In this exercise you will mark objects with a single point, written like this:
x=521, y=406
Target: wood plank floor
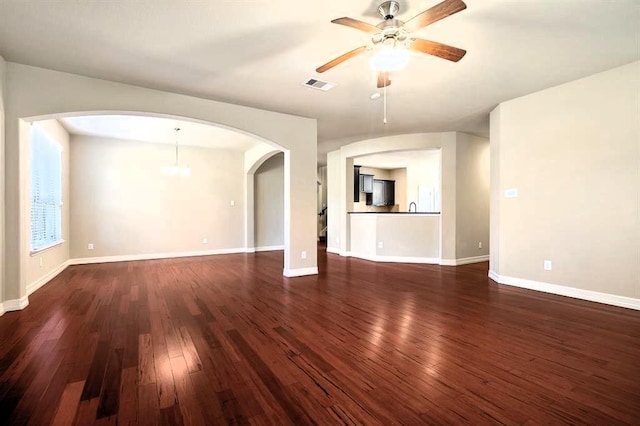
x=228, y=340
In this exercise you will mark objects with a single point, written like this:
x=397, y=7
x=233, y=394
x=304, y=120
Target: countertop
x=411, y=213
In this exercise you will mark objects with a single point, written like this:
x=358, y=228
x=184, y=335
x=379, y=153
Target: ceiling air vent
x=317, y=84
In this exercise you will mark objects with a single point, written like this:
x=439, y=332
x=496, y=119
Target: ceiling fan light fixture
x=390, y=58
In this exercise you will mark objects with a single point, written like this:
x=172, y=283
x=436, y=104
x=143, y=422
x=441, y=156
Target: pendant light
x=176, y=169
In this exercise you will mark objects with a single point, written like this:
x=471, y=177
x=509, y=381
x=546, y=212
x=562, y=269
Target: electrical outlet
x=547, y=265
x=511, y=193
x=233, y=202
x=41, y=263
x=303, y=255
x=90, y=246
x=479, y=244
x=205, y=240
x=380, y=244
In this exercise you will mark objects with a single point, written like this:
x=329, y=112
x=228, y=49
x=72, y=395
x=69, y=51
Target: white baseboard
x=464, y=260
x=300, y=272
x=577, y=293
x=45, y=279
x=150, y=256
x=395, y=259
x=14, y=305
x=333, y=250
x=414, y=259
x=269, y=248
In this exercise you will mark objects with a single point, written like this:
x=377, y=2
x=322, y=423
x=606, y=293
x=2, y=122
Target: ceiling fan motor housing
x=389, y=9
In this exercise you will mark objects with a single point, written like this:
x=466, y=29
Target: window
x=46, y=191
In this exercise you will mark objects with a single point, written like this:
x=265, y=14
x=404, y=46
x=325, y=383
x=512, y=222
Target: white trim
x=250, y=250
x=416, y=259
x=464, y=260
x=395, y=259
x=150, y=256
x=46, y=278
x=333, y=250
x=269, y=248
x=46, y=247
x=299, y=272
x=577, y=293
x=14, y=305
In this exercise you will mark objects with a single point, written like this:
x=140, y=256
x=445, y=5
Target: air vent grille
x=317, y=84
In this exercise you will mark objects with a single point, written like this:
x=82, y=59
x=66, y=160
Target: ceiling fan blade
x=436, y=13
x=340, y=59
x=383, y=79
x=358, y=25
x=440, y=50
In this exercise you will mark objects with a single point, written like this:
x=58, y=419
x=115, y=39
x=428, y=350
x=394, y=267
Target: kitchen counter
x=411, y=213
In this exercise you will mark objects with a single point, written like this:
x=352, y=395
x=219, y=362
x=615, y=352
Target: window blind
x=46, y=190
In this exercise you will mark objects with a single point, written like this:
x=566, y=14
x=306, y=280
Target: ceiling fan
x=394, y=38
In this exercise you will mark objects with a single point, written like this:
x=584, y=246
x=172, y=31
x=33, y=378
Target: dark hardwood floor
x=227, y=339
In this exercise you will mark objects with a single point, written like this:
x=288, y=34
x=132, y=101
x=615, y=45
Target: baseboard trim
x=464, y=260
x=269, y=248
x=333, y=250
x=396, y=259
x=14, y=305
x=152, y=256
x=299, y=272
x=415, y=259
x=46, y=278
x=576, y=293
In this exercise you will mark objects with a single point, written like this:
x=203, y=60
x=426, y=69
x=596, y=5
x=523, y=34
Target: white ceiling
x=258, y=52
x=159, y=130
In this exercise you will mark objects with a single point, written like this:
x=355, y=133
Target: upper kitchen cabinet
x=384, y=192
x=366, y=183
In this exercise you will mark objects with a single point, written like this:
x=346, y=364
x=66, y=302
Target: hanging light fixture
x=176, y=169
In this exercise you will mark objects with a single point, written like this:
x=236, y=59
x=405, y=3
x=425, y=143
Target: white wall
x=46, y=262
x=269, y=203
x=423, y=170
x=573, y=153
x=36, y=93
x=119, y=190
x=3, y=269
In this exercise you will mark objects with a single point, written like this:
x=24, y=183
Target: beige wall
x=3, y=270
x=269, y=203
x=472, y=196
x=400, y=176
x=118, y=190
x=44, y=262
x=334, y=201
x=573, y=153
x=390, y=237
x=36, y=93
